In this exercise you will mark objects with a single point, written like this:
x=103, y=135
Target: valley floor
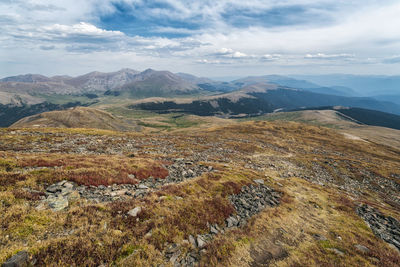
x=253, y=193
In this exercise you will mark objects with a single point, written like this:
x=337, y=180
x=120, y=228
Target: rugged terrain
x=252, y=193
x=166, y=92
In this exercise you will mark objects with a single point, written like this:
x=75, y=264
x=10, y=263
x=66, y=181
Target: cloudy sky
x=203, y=37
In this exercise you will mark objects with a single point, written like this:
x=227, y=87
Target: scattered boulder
x=213, y=230
x=53, y=189
x=58, y=203
x=201, y=243
x=319, y=237
x=362, y=248
x=172, y=253
x=259, y=181
x=142, y=186
x=134, y=212
x=336, y=251
x=192, y=241
x=232, y=221
x=18, y=260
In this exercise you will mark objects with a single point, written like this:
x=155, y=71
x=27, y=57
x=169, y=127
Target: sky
x=203, y=37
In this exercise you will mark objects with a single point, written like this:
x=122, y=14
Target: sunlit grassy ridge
x=322, y=174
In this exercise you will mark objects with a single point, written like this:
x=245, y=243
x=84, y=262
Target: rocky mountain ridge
x=123, y=79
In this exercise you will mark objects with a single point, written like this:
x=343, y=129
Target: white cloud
x=359, y=32
x=392, y=60
x=230, y=53
x=329, y=57
x=269, y=57
x=207, y=61
x=81, y=28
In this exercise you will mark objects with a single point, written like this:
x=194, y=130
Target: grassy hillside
x=152, y=193
x=79, y=117
x=364, y=116
x=12, y=113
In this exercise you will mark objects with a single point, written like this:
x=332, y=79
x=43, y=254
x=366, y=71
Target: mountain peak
x=27, y=78
x=149, y=70
x=127, y=70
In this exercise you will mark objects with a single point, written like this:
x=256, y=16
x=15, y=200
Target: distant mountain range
x=257, y=99
x=30, y=94
x=365, y=85
x=148, y=82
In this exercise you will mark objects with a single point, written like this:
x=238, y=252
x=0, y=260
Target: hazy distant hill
x=367, y=85
x=27, y=78
x=390, y=98
x=264, y=98
x=295, y=83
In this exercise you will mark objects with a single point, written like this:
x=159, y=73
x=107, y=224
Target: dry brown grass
x=88, y=235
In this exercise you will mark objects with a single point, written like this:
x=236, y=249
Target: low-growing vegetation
x=321, y=176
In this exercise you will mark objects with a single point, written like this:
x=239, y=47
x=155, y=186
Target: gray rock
x=384, y=227
x=361, y=248
x=142, y=186
x=134, y=212
x=319, y=237
x=175, y=256
x=18, y=260
x=231, y=222
x=201, y=243
x=53, y=188
x=192, y=241
x=213, y=230
x=259, y=181
x=172, y=249
x=336, y=251
x=58, y=203
x=62, y=183
x=68, y=185
x=139, y=194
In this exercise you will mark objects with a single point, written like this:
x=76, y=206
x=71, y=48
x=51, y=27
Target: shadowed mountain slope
x=263, y=98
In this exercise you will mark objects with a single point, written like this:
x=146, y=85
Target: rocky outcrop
x=384, y=227
x=21, y=259
x=248, y=202
x=57, y=196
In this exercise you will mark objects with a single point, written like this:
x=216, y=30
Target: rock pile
x=251, y=200
x=173, y=255
x=58, y=195
x=384, y=227
x=182, y=170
